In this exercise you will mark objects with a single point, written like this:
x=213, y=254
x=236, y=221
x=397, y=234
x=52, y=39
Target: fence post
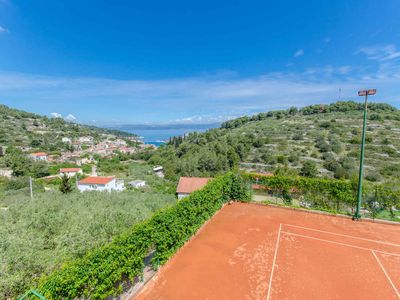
x=30, y=187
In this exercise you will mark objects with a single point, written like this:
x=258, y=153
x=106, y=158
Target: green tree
x=65, y=185
x=39, y=169
x=309, y=169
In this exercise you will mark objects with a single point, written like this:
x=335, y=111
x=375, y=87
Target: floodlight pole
x=365, y=93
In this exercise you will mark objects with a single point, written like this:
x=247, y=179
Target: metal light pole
x=364, y=93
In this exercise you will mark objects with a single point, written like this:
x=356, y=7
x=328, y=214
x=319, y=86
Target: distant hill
x=317, y=140
x=20, y=128
x=133, y=127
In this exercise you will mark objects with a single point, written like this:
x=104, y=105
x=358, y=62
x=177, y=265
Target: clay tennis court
x=249, y=251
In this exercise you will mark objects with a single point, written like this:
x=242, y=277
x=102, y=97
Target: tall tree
x=65, y=185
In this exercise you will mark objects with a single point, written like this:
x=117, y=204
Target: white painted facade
x=39, y=157
x=71, y=173
x=113, y=185
x=138, y=183
x=66, y=140
x=6, y=173
x=182, y=195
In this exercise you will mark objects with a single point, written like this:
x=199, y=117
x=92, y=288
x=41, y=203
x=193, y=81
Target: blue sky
x=107, y=62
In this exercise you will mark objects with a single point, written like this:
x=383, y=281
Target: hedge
x=330, y=194
x=108, y=270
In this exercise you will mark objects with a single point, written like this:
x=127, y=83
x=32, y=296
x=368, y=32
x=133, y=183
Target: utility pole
x=30, y=186
x=364, y=93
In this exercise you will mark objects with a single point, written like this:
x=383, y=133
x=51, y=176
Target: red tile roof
x=39, y=154
x=65, y=170
x=188, y=185
x=96, y=180
x=259, y=187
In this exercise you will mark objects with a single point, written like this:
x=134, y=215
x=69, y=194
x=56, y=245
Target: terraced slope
x=318, y=140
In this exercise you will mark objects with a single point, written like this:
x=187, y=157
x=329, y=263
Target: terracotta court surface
x=249, y=251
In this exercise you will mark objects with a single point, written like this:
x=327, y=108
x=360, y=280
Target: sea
x=158, y=136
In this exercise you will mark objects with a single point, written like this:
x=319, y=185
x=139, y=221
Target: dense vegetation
x=317, y=140
x=22, y=165
x=337, y=196
x=20, y=128
x=38, y=235
x=106, y=270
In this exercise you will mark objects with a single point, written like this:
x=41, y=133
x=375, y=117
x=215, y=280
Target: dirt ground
x=250, y=251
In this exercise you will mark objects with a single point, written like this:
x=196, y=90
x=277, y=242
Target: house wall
x=140, y=184
x=39, y=158
x=111, y=186
x=6, y=173
x=71, y=174
x=182, y=195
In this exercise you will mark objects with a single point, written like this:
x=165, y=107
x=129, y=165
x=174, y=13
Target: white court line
x=273, y=263
x=344, y=235
x=338, y=243
x=387, y=276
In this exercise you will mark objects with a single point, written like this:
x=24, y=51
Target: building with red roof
x=39, y=156
x=100, y=183
x=70, y=172
x=188, y=185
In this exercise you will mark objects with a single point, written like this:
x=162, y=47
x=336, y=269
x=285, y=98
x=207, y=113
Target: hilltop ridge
x=25, y=129
x=317, y=140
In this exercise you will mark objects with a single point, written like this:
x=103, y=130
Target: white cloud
x=204, y=119
x=380, y=53
x=298, y=53
x=3, y=30
x=70, y=118
x=56, y=115
x=195, y=99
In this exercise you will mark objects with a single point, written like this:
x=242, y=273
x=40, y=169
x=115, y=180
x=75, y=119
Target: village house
x=159, y=171
x=127, y=150
x=137, y=183
x=6, y=173
x=77, y=146
x=84, y=161
x=119, y=142
x=66, y=140
x=70, y=172
x=188, y=185
x=39, y=156
x=85, y=139
x=100, y=183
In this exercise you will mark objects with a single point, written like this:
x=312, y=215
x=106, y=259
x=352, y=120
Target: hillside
x=317, y=140
x=20, y=128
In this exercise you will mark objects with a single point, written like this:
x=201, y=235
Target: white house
x=38, y=156
x=6, y=173
x=137, y=183
x=66, y=140
x=85, y=139
x=70, y=172
x=99, y=183
x=119, y=142
x=159, y=171
x=188, y=185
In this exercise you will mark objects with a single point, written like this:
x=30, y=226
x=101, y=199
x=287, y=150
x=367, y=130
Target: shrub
x=103, y=272
x=309, y=169
x=373, y=176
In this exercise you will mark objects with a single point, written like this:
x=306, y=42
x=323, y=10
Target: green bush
x=39, y=235
x=309, y=169
x=330, y=194
x=321, y=193
x=103, y=272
